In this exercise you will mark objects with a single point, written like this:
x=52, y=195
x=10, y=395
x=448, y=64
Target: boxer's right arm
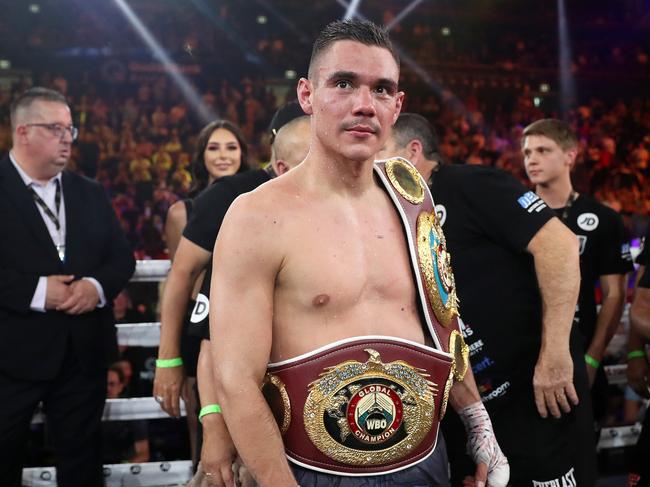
x=247, y=259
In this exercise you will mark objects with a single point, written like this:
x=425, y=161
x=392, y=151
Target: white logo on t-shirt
x=583, y=243
x=588, y=221
x=201, y=309
x=441, y=211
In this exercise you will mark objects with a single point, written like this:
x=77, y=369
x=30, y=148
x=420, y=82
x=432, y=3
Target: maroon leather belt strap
x=361, y=406
x=430, y=259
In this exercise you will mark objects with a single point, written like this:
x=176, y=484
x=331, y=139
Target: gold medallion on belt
x=369, y=413
x=435, y=263
x=405, y=179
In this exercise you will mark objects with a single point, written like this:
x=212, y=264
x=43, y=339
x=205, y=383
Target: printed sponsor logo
x=498, y=392
x=531, y=202
x=441, y=212
x=149, y=371
x=475, y=347
x=566, y=480
x=135, y=469
x=165, y=466
x=588, y=221
x=466, y=330
x=625, y=252
x=583, y=242
x=201, y=309
x=527, y=199
x=537, y=207
x=484, y=364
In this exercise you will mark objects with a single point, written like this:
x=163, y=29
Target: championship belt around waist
x=363, y=406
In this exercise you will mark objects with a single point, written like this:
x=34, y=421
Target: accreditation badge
x=370, y=413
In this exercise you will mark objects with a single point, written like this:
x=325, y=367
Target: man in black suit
x=63, y=258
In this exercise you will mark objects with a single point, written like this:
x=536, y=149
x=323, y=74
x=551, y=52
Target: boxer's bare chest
x=341, y=258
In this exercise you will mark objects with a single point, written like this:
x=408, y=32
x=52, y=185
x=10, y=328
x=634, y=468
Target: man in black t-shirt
x=638, y=375
x=550, y=149
x=516, y=269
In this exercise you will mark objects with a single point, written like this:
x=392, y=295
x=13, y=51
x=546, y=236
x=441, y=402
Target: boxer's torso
x=344, y=268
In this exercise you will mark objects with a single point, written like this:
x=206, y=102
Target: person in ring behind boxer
x=312, y=273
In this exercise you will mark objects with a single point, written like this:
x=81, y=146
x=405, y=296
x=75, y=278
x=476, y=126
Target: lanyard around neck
x=46, y=209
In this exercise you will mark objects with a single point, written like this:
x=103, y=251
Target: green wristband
x=592, y=361
x=209, y=409
x=166, y=363
x=636, y=354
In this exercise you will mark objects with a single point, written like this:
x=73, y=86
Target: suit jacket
x=33, y=344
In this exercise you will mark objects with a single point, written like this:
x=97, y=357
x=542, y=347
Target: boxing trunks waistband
x=362, y=406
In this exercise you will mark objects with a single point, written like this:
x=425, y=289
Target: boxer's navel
x=321, y=300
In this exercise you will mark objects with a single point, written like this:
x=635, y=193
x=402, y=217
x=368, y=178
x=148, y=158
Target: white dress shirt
x=47, y=193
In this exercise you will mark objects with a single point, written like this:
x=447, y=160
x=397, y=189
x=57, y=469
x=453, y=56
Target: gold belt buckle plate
x=370, y=413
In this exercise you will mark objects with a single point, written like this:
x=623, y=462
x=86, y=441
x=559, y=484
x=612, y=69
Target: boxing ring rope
x=152, y=474
x=179, y=472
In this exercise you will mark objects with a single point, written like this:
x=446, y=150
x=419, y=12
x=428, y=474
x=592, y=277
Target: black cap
x=283, y=116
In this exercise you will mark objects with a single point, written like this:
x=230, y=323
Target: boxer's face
x=353, y=99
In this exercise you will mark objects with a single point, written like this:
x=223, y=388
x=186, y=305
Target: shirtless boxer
x=318, y=257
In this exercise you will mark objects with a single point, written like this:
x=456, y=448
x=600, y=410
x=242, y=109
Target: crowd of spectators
x=137, y=128
x=139, y=147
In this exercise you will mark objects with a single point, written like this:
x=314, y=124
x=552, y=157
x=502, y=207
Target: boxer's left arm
x=482, y=445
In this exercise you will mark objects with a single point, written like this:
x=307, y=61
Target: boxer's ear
x=305, y=91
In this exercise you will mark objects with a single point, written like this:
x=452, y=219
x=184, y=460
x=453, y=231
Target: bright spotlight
x=290, y=74
x=191, y=94
x=261, y=19
x=537, y=101
x=5, y=64
x=445, y=31
x=34, y=8
x=352, y=10
x=544, y=88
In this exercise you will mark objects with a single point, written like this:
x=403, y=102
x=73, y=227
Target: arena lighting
x=398, y=18
x=351, y=12
x=544, y=87
x=34, y=8
x=302, y=36
x=208, y=11
x=261, y=19
x=537, y=101
x=194, y=99
x=567, y=83
x=5, y=64
x=445, y=31
x=290, y=74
